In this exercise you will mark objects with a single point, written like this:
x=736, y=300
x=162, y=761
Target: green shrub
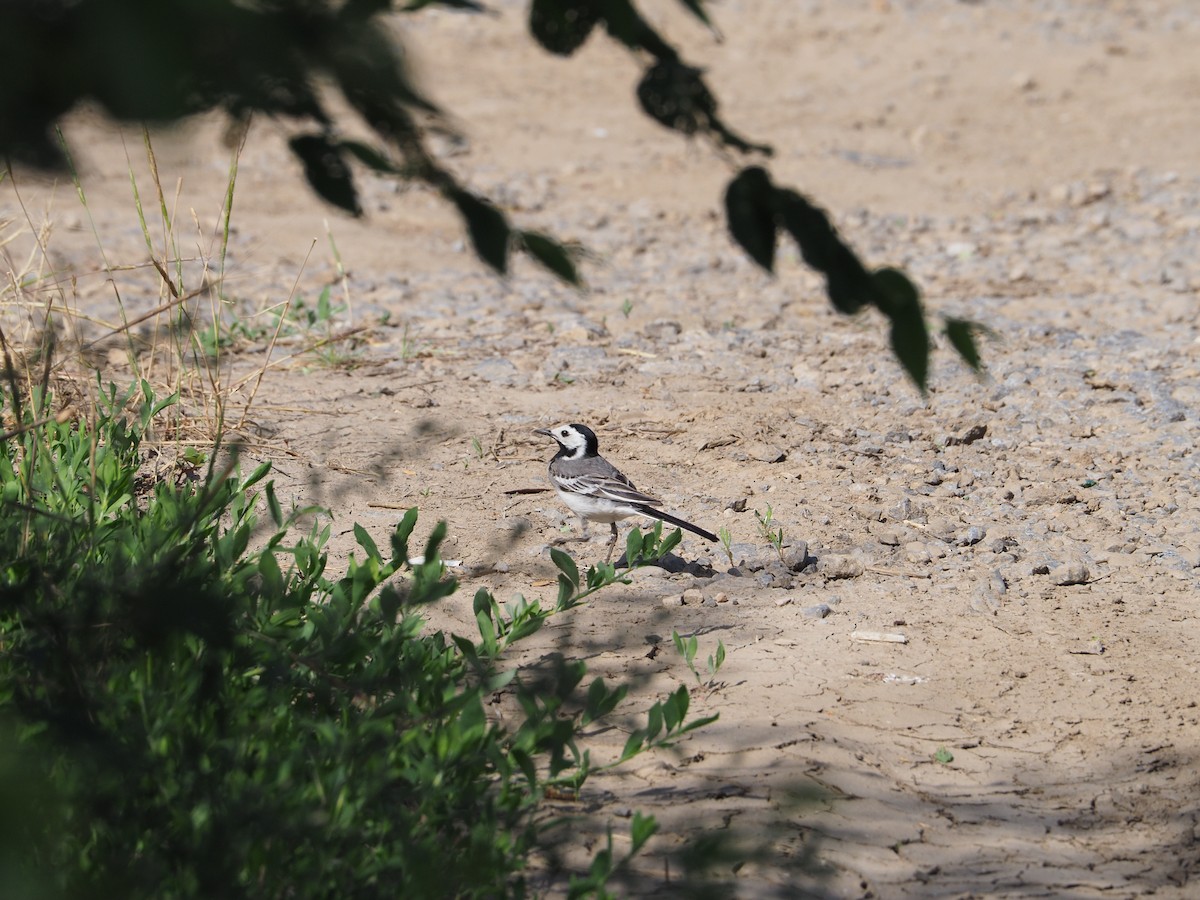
x=219, y=718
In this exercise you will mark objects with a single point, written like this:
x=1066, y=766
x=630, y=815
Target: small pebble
x=691, y=597
x=783, y=601
x=672, y=600
x=820, y=611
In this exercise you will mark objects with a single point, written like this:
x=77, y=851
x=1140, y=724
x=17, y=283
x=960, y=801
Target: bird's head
x=574, y=441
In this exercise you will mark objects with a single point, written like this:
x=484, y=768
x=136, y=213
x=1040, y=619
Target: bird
x=595, y=490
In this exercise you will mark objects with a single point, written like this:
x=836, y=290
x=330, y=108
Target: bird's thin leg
x=612, y=543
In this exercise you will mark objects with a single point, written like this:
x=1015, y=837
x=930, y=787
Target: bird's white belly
x=596, y=509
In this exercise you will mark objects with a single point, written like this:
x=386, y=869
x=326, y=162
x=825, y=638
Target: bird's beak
x=544, y=431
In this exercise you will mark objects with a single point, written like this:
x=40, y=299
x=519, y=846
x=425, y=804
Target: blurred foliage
x=163, y=61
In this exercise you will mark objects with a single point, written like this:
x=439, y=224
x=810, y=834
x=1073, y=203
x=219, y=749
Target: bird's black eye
x=564, y=432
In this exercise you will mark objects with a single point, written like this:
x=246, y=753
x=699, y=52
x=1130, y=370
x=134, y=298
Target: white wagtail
x=595, y=490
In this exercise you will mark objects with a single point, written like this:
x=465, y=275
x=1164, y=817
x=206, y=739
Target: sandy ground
x=1034, y=535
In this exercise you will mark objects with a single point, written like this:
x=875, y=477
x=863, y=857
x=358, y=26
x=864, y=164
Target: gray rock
x=943, y=529
x=903, y=510
x=916, y=552
x=820, y=611
x=1069, y=573
x=796, y=556
x=971, y=536
x=889, y=537
x=834, y=566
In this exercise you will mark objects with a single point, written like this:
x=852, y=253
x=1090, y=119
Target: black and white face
x=575, y=440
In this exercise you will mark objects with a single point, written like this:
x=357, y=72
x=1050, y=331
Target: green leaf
x=402, y=533
x=679, y=702
x=720, y=659
x=672, y=716
x=255, y=477
x=566, y=565
x=484, y=604
x=961, y=334
x=633, y=547
x=487, y=631
x=898, y=299
x=634, y=745
x=641, y=829
x=273, y=504
x=943, y=756
x=749, y=209
x=272, y=578
x=654, y=721
x=551, y=255
x=327, y=171
x=562, y=26
x=487, y=227
x=365, y=541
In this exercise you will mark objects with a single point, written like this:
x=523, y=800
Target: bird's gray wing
x=606, y=482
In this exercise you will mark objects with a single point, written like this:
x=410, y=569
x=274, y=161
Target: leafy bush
x=219, y=718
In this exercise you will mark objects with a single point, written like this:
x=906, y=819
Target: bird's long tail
x=667, y=517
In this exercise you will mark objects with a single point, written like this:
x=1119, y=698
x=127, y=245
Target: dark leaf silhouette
x=898, y=299
x=750, y=211
x=370, y=157
x=847, y=281
x=961, y=334
x=552, y=255
x=696, y=8
x=327, y=171
x=562, y=26
x=626, y=25
x=467, y=5
x=674, y=95
x=487, y=226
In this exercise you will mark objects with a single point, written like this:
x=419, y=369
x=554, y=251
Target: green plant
x=727, y=544
x=771, y=534
x=687, y=648
x=626, y=307
x=220, y=716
